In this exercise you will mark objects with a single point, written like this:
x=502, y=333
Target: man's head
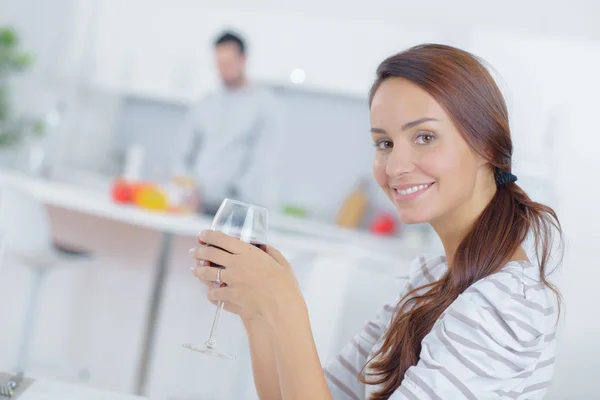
x=230, y=55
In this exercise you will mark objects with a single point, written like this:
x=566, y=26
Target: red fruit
x=122, y=192
x=384, y=224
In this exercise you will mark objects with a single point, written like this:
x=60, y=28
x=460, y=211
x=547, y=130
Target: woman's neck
x=453, y=227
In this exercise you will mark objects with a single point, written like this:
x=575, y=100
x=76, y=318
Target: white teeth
x=412, y=189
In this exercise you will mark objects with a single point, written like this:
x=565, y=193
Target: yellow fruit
x=152, y=198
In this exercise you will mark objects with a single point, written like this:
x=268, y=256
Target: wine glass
x=248, y=223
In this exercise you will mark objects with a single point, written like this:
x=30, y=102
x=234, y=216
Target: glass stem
x=211, y=343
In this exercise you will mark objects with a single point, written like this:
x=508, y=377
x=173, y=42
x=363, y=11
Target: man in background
x=232, y=134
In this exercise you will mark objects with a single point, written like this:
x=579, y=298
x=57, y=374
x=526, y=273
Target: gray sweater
x=231, y=141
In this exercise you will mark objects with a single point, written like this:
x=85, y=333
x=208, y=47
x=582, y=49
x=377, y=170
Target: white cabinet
x=151, y=48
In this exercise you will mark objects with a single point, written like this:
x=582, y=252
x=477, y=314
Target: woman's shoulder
x=519, y=282
x=515, y=297
x=496, y=339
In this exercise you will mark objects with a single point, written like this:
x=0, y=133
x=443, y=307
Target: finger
x=206, y=282
x=199, y=263
x=228, y=307
x=209, y=283
x=202, y=263
x=207, y=273
x=276, y=254
x=224, y=241
x=211, y=274
x=214, y=255
x=222, y=294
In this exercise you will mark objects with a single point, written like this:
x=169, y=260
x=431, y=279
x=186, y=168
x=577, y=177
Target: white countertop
x=54, y=390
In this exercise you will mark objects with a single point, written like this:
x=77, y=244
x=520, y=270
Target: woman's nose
x=400, y=162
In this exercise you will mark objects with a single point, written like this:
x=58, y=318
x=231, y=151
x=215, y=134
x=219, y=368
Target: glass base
x=211, y=351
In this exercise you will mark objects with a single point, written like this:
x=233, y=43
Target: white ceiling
x=564, y=18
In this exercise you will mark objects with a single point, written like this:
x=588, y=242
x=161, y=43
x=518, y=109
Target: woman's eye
x=384, y=145
x=425, y=138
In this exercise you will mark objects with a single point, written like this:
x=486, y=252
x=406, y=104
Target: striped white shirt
x=495, y=341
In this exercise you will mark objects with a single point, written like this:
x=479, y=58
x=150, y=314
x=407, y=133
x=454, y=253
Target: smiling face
x=422, y=162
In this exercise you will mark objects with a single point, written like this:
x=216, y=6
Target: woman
x=476, y=323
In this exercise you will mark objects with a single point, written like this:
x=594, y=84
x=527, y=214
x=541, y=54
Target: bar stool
x=25, y=237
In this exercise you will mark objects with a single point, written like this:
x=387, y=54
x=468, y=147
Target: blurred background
x=106, y=114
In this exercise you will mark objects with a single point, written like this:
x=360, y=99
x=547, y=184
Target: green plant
x=13, y=60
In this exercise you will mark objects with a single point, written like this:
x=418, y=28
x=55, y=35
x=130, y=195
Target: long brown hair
x=465, y=89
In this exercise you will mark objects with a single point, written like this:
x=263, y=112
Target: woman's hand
x=258, y=282
x=232, y=308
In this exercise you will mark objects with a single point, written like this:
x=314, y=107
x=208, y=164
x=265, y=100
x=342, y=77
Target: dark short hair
x=230, y=37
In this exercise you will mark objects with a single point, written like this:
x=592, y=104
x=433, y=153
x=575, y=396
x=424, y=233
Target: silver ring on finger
x=219, y=282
